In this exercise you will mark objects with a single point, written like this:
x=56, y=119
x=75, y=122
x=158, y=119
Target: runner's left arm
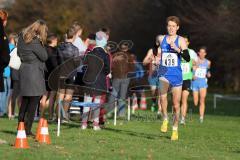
x=184, y=49
x=208, y=70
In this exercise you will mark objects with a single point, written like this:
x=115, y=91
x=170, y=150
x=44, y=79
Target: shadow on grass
x=136, y=134
x=71, y=125
x=236, y=151
x=9, y=132
x=65, y=126
x=118, y=131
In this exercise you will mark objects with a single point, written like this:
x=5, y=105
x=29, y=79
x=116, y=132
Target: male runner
x=173, y=48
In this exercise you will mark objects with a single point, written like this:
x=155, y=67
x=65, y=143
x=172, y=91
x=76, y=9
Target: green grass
x=216, y=139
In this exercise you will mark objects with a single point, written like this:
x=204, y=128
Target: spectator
x=98, y=67
x=122, y=64
x=33, y=54
x=78, y=42
x=13, y=39
x=81, y=48
x=4, y=54
x=67, y=51
x=90, y=42
x=52, y=62
x=108, y=77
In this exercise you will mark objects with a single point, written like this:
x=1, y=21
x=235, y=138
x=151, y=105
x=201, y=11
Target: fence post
x=115, y=113
x=129, y=108
x=214, y=102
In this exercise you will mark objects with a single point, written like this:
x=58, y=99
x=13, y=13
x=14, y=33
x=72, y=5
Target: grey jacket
x=32, y=55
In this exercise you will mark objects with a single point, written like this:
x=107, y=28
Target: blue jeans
x=4, y=96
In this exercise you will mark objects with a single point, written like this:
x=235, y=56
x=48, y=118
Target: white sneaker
x=11, y=117
x=64, y=121
x=36, y=118
x=83, y=127
x=183, y=122
x=96, y=128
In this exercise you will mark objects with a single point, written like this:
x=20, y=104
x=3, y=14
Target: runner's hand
x=173, y=46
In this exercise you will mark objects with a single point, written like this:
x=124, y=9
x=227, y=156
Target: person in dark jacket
x=4, y=69
x=66, y=52
x=33, y=55
x=98, y=67
x=52, y=62
x=4, y=51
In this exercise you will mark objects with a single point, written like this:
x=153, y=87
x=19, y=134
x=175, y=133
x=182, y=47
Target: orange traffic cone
x=44, y=135
x=40, y=123
x=21, y=140
x=135, y=103
x=143, y=102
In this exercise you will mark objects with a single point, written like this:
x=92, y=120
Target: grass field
x=216, y=139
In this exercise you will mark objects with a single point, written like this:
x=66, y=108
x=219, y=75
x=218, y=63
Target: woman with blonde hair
x=33, y=55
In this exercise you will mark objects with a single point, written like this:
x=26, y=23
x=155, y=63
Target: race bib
x=185, y=68
x=170, y=59
x=201, y=73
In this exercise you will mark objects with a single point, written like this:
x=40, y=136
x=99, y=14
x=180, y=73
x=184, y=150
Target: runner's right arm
x=159, y=39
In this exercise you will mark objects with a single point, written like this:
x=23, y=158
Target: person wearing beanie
x=98, y=67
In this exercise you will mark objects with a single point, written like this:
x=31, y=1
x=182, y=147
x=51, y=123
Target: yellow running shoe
x=164, y=126
x=174, y=135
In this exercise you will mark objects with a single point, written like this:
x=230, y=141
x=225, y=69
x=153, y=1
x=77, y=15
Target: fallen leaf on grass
x=59, y=147
x=3, y=141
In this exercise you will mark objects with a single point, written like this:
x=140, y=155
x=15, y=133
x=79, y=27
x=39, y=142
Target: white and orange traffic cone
x=134, y=103
x=40, y=123
x=21, y=140
x=44, y=134
x=143, y=102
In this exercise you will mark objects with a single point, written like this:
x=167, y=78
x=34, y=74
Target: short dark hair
x=174, y=19
x=105, y=30
x=92, y=36
x=203, y=47
x=51, y=37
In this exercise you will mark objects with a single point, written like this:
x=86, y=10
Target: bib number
x=201, y=73
x=185, y=68
x=170, y=59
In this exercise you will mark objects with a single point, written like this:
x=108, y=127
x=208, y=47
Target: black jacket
x=98, y=67
x=53, y=60
x=4, y=54
x=67, y=51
